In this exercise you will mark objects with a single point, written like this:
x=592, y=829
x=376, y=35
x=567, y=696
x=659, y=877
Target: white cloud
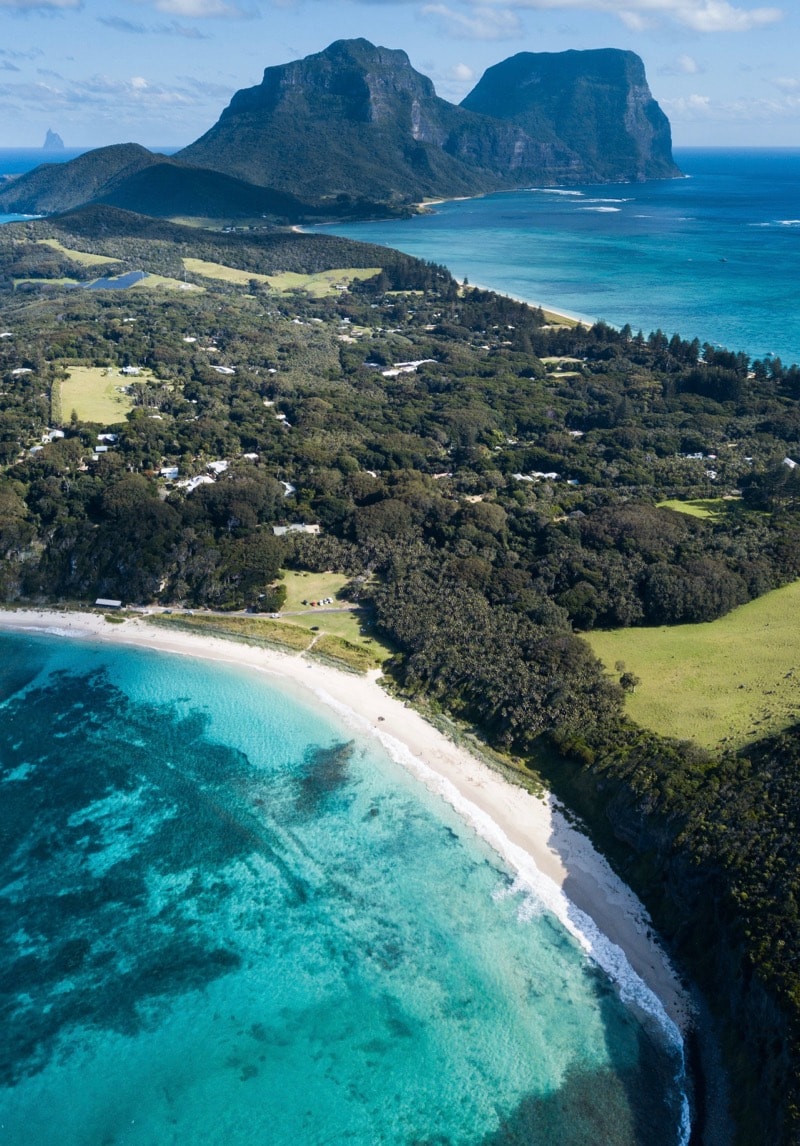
x=696, y=108
x=479, y=23
x=698, y=15
x=202, y=9
x=461, y=72
x=634, y=20
x=683, y=66
x=186, y=31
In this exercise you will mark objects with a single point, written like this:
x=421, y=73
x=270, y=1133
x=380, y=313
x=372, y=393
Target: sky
x=159, y=72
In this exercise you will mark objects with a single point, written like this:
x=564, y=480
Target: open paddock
x=727, y=682
x=318, y=285
x=96, y=394
x=697, y=507
x=84, y=258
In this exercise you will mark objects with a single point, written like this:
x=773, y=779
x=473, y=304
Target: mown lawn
x=311, y=587
x=699, y=507
x=351, y=625
x=728, y=681
x=94, y=393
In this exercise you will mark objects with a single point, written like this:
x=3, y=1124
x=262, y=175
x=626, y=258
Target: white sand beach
x=553, y=859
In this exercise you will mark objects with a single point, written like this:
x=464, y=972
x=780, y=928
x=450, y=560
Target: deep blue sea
x=715, y=255
x=226, y=919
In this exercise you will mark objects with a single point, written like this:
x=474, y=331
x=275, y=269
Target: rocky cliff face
x=361, y=120
x=354, y=120
x=596, y=104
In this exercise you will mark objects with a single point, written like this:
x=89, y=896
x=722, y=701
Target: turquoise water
x=227, y=920
x=714, y=256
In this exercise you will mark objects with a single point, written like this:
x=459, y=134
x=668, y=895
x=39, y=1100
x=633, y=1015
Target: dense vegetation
x=490, y=483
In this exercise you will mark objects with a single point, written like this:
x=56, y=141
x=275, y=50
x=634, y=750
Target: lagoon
x=229, y=917
x=715, y=255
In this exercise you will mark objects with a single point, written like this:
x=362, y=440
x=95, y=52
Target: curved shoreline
x=530, y=832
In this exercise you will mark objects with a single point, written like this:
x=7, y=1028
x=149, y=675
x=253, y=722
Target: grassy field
x=311, y=587
x=224, y=274
x=699, y=507
x=727, y=682
x=83, y=257
x=317, y=285
x=259, y=630
x=45, y=283
x=93, y=392
x=351, y=626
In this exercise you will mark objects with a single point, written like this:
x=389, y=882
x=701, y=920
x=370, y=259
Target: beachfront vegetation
x=487, y=511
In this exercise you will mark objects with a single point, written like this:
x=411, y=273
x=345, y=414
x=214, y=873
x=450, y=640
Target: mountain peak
x=597, y=102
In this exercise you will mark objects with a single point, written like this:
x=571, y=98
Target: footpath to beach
x=555, y=860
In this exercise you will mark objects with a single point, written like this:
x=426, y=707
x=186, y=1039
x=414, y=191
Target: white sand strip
x=556, y=861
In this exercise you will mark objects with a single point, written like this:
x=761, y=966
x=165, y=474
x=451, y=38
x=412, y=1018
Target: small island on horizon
x=52, y=141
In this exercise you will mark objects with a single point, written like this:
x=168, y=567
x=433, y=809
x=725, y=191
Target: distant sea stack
x=52, y=141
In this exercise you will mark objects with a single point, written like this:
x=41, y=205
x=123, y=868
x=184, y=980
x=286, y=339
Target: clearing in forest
x=351, y=624
x=85, y=258
x=729, y=682
x=319, y=285
x=697, y=507
x=96, y=394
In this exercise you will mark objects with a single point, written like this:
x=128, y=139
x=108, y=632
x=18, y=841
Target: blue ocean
x=714, y=256
x=228, y=920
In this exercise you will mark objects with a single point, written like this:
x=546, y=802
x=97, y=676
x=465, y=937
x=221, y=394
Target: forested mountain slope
x=354, y=129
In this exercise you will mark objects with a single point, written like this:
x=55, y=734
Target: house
x=218, y=467
x=131, y=371
x=280, y=530
x=52, y=435
x=190, y=484
x=107, y=603
x=169, y=472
